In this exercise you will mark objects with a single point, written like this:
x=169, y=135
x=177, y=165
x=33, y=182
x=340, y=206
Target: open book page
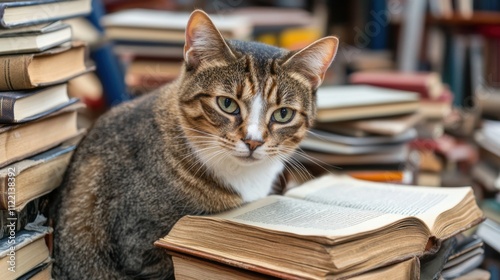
x=425, y=203
x=304, y=217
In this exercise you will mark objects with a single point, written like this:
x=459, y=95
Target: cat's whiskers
x=203, y=163
x=297, y=166
x=321, y=164
x=286, y=166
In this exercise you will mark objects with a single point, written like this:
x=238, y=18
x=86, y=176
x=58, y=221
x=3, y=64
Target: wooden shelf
x=478, y=18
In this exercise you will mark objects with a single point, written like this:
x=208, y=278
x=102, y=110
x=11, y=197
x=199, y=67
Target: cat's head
x=244, y=102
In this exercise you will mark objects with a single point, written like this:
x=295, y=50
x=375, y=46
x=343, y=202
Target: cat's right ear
x=204, y=43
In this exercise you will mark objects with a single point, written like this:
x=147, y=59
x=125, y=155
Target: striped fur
x=175, y=152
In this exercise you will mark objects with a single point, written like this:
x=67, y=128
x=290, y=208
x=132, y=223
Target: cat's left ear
x=312, y=61
x=204, y=43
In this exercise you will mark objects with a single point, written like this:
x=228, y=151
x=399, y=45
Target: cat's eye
x=283, y=115
x=228, y=105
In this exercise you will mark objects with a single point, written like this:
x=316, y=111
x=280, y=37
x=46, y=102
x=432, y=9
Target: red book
x=427, y=84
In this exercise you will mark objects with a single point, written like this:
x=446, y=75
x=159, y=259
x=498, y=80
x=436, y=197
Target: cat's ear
x=204, y=43
x=312, y=61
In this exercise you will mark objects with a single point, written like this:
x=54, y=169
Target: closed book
x=23, y=106
x=35, y=40
x=380, y=126
x=30, y=12
x=340, y=103
x=42, y=271
x=166, y=27
x=437, y=108
x=427, y=84
x=53, y=66
x=27, y=139
x=33, y=177
x=30, y=251
x=21, y=217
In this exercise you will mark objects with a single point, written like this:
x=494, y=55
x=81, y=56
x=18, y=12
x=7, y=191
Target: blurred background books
x=413, y=95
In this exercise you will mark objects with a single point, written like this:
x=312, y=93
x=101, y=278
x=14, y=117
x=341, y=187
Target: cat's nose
x=252, y=144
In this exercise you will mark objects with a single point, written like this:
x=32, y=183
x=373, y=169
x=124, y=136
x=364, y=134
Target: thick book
x=28, y=105
x=187, y=267
x=332, y=227
x=389, y=126
x=31, y=12
x=42, y=271
x=341, y=103
x=35, y=40
x=29, y=214
x=53, y=66
x=30, y=251
x=33, y=177
x=437, y=108
x=427, y=84
x=25, y=140
x=166, y=27
x=396, y=156
x=372, y=140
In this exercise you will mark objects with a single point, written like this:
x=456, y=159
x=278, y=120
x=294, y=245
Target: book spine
x=7, y=109
x=2, y=21
x=14, y=72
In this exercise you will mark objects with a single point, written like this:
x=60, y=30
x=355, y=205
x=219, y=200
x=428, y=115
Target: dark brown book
x=54, y=66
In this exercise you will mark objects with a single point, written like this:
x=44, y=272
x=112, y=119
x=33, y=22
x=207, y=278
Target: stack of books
x=150, y=43
x=363, y=131
x=438, y=152
x=486, y=174
x=38, y=124
x=333, y=227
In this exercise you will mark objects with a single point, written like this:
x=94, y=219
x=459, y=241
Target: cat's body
x=182, y=150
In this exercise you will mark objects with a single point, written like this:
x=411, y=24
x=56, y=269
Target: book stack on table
x=38, y=124
x=363, y=131
x=435, y=100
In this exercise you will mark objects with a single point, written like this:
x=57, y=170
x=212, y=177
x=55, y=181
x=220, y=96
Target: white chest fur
x=251, y=181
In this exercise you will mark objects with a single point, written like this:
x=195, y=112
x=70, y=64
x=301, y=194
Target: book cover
x=53, y=66
x=22, y=13
x=38, y=136
x=24, y=106
x=34, y=176
x=339, y=103
x=427, y=84
x=31, y=40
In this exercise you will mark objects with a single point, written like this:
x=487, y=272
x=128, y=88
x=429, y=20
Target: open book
x=331, y=227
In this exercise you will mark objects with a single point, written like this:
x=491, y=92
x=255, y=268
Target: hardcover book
x=25, y=140
x=28, y=105
x=30, y=251
x=34, y=176
x=340, y=103
x=332, y=227
x=31, y=12
x=53, y=66
x=34, y=40
x=427, y=84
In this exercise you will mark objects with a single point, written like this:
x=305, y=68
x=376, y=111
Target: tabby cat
x=212, y=140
